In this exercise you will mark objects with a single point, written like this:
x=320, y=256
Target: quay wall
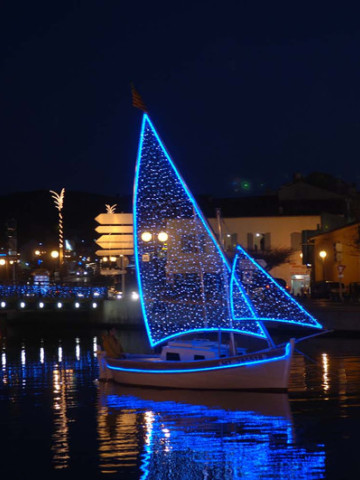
x=126, y=314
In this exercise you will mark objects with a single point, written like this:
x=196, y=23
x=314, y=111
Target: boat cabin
x=188, y=351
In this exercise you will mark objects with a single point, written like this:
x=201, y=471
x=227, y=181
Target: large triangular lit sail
x=269, y=301
x=183, y=275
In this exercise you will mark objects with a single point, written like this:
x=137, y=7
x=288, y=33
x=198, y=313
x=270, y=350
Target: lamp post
x=4, y=263
x=323, y=255
x=55, y=255
x=157, y=239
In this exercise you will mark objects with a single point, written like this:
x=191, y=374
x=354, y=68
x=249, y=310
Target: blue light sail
x=268, y=299
x=183, y=275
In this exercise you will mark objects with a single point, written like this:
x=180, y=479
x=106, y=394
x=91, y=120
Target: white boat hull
x=268, y=370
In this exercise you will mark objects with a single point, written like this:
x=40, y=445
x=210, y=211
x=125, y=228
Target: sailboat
x=204, y=317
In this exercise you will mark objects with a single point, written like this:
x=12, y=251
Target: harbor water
x=58, y=421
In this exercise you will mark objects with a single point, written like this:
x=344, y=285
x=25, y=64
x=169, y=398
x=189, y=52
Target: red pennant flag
x=137, y=101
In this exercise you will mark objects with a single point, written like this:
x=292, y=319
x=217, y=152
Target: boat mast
x=201, y=271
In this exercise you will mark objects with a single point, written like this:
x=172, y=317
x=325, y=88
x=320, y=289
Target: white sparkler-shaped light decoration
x=59, y=203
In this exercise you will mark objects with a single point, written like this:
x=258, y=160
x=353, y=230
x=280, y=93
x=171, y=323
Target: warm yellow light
x=105, y=259
x=37, y=252
x=146, y=237
x=322, y=254
x=163, y=236
x=54, y=254
x=112, y=259
x=2, y=261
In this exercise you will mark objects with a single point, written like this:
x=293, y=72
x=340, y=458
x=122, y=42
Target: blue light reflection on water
x=183, y=440
x=55, y=418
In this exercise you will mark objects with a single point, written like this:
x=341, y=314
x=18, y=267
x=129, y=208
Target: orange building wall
x=348, y=237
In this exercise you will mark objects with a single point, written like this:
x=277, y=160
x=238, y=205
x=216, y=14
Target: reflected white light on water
x=166, y=432
x=3, y=366
x=325, y=367
x=42, y=355
x=3, y=361
x=23, y=355
x=166, y=442
x=190, y=438
x=147, y=434
x=77, y=348
x=149, y=420
x=60, y=445
x=56, y=380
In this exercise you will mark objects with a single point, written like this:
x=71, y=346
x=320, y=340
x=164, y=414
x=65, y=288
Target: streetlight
x=157, y=239
x=162, y=237
x=146, y=236
x=55, y=255
x=4, y=263
x=323, y=255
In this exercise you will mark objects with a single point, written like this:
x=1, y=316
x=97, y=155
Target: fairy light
x=268, y=299
x=182, y=272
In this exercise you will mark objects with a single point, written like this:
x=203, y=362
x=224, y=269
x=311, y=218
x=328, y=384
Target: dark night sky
x=237, y=90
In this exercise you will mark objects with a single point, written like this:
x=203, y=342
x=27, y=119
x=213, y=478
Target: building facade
x=336, y=255
x=269, y=233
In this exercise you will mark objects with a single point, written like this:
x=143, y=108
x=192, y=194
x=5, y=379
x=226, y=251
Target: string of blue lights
x=183, y=275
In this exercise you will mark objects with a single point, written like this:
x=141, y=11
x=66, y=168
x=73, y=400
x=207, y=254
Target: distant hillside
x=37, y=217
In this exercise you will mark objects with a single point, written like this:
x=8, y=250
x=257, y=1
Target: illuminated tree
x=110, y=208
x=59, y=203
